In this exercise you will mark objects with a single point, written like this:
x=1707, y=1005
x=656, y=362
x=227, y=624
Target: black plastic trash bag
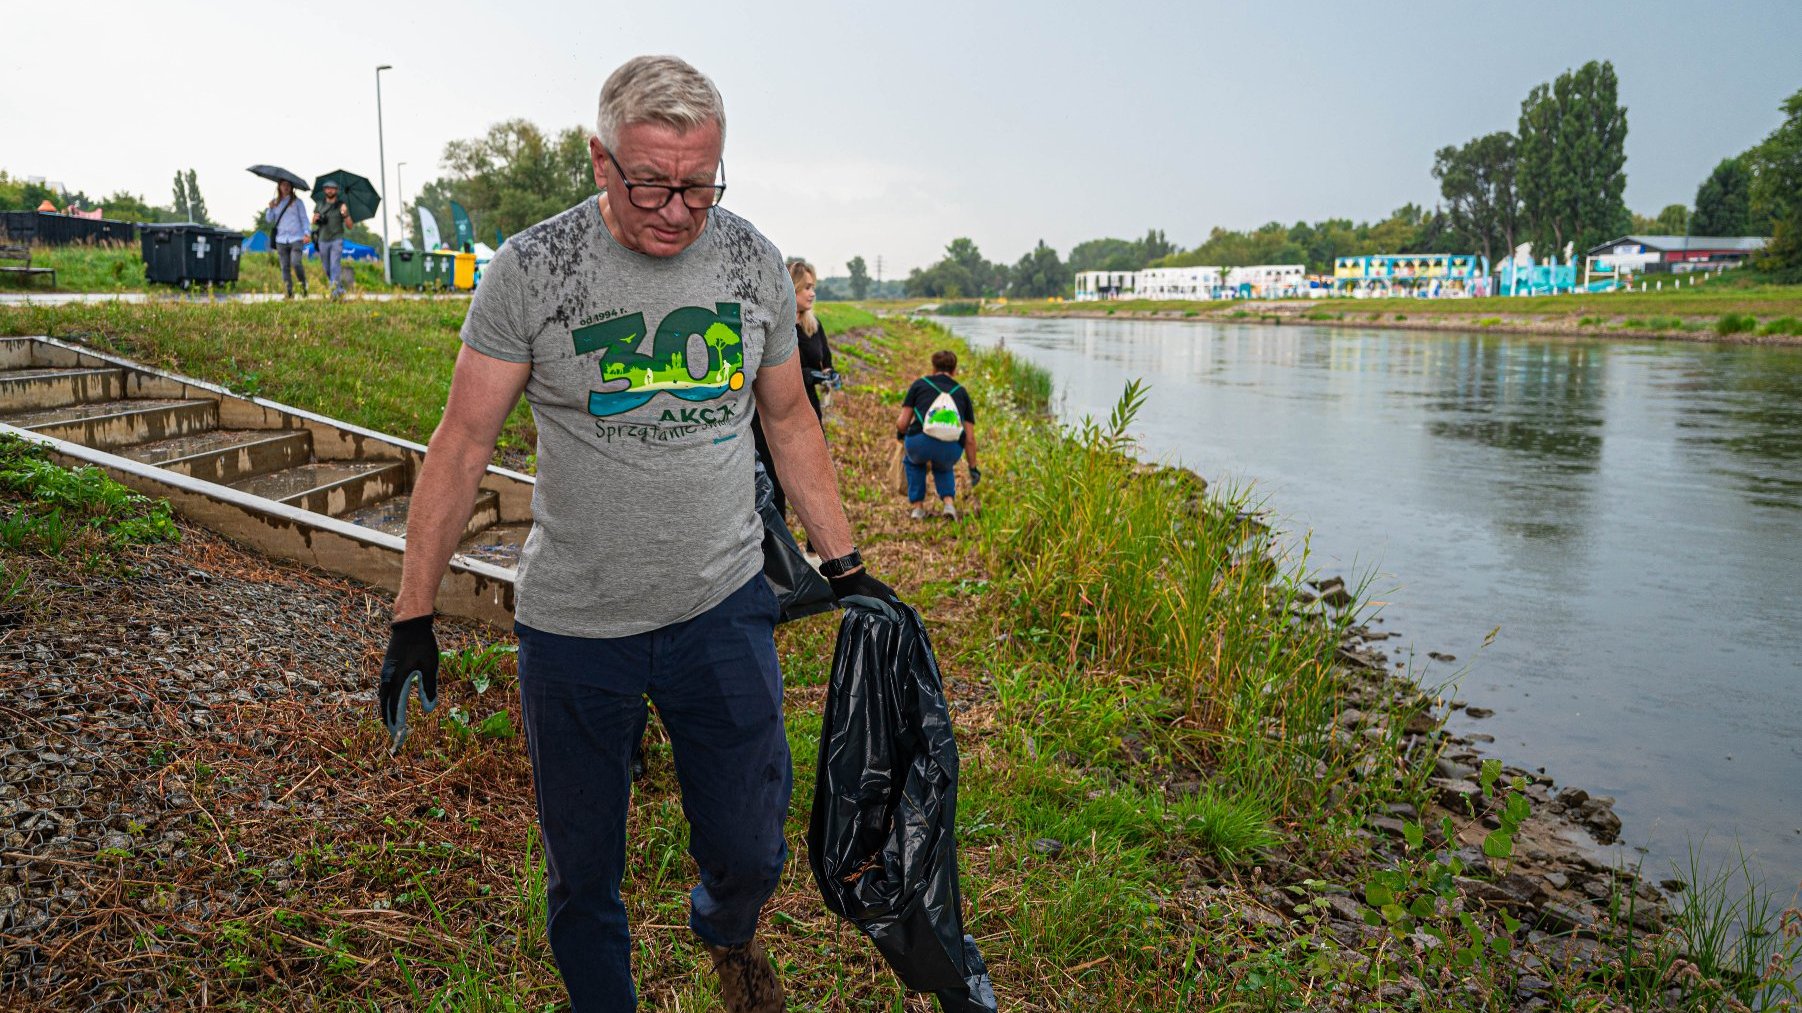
x=798, y=586
x=882, y=841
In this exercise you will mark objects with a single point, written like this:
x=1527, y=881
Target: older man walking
x=645, y=326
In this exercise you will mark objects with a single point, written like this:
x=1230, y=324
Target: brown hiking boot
x=747, y=981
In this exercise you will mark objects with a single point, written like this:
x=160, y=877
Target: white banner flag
x=428, y=230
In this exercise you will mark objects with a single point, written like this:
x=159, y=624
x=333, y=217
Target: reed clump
x=1154, y=624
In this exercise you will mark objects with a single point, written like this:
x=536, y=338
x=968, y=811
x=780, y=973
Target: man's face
x=331, y=193
x=658, y=154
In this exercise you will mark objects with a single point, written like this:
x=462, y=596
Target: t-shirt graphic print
x=642, y=375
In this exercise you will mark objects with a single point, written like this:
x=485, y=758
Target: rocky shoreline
x=1567, y=881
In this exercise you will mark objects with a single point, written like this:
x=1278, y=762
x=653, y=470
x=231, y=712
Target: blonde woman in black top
x=816, y=361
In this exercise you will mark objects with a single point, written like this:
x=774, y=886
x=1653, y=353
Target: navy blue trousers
x=939, y=456
x=718, y=691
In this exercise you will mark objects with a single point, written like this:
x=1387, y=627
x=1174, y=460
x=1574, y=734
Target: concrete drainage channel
x=286, y=482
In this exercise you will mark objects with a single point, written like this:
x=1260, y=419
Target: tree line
x=1559, y=179
x=186, y=203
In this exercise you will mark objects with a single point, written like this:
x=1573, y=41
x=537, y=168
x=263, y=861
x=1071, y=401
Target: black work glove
x=412, y=658
x=975, y=476
x=900, y=437
x=861, y=583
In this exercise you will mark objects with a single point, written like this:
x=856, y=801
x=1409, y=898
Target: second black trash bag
x=882, y=841
x=799, y=587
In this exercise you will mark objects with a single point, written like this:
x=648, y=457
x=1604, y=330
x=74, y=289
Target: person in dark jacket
x=816, y=362
x=927, y=446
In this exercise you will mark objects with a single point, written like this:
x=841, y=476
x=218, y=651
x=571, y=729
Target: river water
x=1629, y=514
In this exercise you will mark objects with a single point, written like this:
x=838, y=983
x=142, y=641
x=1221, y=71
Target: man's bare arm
x=483, y=391
x=799, y=449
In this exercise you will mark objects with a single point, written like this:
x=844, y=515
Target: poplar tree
x=180, y=205
x=196, y=203
x=1573, y=158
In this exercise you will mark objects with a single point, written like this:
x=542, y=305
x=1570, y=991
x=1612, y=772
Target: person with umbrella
x=288, y=216
x=330, y=222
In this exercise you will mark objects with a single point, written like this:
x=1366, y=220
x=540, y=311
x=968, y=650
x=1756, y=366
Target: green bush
x=959, y=308
x=1735, y=323
x=1782, y=325
x=1666, y=324
x=52, y=506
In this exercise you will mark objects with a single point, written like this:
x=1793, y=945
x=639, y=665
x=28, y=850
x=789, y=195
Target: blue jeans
x=923, y=452
x=719, y=693
x=330, y=253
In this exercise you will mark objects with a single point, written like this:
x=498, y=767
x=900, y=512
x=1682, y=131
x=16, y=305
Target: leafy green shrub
x=959, y=308
x=53, y=506
x=1782, y=325
x=1634, y=324
x=1735, y=323
x=1590, y=322
x=1489, y=321
x=1666, y=324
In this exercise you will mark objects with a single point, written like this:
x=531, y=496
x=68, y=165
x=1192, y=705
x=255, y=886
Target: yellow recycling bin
x=465, y=275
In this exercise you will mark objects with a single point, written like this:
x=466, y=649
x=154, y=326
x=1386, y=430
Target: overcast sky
x=886, y=130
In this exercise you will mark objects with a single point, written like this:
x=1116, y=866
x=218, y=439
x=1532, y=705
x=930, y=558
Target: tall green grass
x=1153, y=624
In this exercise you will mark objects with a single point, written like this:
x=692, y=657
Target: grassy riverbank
x=1717, y=309
x=121, y=269
x=1181, y=788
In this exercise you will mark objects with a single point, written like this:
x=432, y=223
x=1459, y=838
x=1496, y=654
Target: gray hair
x=657, y=89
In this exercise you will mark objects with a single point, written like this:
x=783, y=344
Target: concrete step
x=390, y=515
x=109, y=425
x=499, y=544
x=55, y=386
x=227, y=455
x=330, y=487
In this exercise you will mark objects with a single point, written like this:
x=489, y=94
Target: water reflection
x=1741, y=417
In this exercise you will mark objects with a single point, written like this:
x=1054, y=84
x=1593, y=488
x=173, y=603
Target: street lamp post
x=382, y=153
x=400, y=196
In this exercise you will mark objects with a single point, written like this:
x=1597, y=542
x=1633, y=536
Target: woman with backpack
x=937, y=425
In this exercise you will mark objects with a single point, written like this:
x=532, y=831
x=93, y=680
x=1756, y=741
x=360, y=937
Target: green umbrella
x=357, y=193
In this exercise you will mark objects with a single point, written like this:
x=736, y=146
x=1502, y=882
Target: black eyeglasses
x=653, y=196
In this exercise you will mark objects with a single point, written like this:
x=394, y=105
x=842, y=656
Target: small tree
x=860, y=277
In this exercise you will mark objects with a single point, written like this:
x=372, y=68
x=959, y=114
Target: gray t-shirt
x=642, y=369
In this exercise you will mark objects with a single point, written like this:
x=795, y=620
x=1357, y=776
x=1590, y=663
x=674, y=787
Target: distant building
x=1420, y=273
x=1177, y=283
x=1092, y=285
x=1660, y=254
x=1197, y=283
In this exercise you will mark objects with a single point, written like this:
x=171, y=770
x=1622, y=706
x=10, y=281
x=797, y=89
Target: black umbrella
x=279, y=174
x=357, y=193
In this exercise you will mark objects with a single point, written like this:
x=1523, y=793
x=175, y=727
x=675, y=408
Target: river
x=1629, y=514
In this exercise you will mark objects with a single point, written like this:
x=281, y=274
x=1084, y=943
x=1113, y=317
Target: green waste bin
x=438, y=268
x=407, y=268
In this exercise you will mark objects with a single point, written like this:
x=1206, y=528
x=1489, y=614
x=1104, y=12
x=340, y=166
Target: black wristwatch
x=842, y=565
